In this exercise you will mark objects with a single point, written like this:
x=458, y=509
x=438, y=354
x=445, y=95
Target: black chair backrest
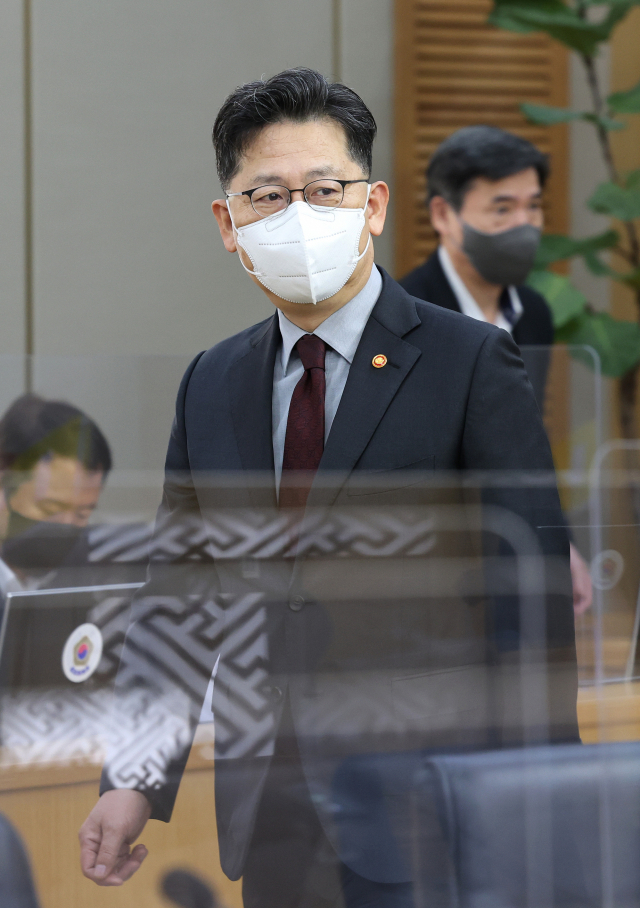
x=544, y=827
x=16, y=883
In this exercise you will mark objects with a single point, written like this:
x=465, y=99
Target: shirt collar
x=342, y=330
x=468, y=305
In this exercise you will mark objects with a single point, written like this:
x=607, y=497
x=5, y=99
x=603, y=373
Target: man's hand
x=107, y=834
x=581, y=580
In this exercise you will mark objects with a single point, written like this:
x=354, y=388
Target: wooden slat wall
x=454, y=70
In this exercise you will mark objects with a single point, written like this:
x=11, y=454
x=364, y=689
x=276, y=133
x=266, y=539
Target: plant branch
x=600, y=110
x=628, y=384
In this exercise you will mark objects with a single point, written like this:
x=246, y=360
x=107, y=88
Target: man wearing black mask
x=53, y=460
x=484, y=193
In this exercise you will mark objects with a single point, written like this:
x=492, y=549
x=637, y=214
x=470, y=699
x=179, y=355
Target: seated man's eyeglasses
x=318, y=194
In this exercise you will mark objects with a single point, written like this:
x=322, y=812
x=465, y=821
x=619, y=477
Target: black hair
x=33, y=428
x=296, y=94
x=479, y=151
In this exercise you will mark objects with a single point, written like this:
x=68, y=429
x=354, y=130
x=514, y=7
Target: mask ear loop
x=364, y=207
x=239, y=243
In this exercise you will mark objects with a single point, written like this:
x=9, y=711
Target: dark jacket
x=429, y=282
x=533, y=329
x=365, y=648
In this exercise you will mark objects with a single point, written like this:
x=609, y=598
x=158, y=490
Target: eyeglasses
x=319, y=194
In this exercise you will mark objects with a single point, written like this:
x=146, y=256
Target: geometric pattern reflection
x=251, y=533
x=177, y=639
x=174, y=645
x=62, y=726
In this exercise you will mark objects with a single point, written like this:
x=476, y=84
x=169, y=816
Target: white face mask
x=304, y=255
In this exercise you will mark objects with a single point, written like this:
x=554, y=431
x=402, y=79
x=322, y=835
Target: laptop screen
x=63, y=638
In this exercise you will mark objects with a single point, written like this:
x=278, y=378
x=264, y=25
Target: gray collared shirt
x=341, y=332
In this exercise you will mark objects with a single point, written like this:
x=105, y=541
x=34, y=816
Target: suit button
x=297, y=603
x=272, y=692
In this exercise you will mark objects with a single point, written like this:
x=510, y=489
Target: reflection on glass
x=392, y=669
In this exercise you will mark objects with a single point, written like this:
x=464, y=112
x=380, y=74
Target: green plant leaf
x=596, y=266
x=558, y=20
x=617, y=201
x=555, y=247
x=632, y=180
x=625, y=102
x=618, y=9
x=544, y=115
x=565, y=301
x=617, y=343
x=607, y=123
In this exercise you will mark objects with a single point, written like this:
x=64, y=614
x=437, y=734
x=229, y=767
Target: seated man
x=53, y=461
x=484, y=193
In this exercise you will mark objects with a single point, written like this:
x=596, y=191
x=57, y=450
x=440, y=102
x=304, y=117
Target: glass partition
x=615, y=532
x=570, y=391
x=395, y=666
x=416, y=616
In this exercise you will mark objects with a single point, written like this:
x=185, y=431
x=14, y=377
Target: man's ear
x=377, y=207
x=222, y=216
x=440, y=213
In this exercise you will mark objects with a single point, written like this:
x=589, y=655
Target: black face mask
x=37, y=545
x=503, y=258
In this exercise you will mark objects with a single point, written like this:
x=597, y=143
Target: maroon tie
x=304, y=441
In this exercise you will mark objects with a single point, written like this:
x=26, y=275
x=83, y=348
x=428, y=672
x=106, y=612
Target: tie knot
x=311, y=350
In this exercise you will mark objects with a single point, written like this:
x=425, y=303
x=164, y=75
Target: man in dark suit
x=484, y=194
x=352, y=394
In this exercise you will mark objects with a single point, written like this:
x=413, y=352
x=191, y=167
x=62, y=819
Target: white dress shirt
x=341, y=332
x=468, y=305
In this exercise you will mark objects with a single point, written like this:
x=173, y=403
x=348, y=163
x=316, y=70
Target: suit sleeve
x=505, y=438
x=164, y=667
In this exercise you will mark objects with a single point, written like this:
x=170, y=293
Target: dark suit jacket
x=429, y=282
x=346, y=636
x=534, y=328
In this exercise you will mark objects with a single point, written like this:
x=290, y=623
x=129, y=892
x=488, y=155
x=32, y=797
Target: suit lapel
x=251, y=391
x=369, y=390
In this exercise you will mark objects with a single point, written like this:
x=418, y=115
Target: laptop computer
x=59, y=655
x=57, y=638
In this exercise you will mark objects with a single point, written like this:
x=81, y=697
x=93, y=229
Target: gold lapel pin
x=379, y=360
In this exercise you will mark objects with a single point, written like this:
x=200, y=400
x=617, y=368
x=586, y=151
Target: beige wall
x=126, y=256
x=12, y=264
